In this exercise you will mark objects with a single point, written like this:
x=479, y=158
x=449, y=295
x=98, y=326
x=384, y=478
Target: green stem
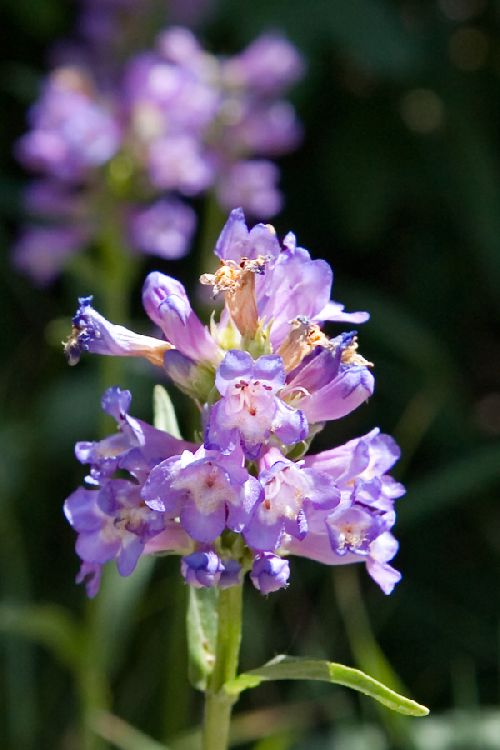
x=218, y=704
x=95, y=698
x=115, y=274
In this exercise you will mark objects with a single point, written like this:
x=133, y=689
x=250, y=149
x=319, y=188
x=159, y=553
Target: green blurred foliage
x=397, y=183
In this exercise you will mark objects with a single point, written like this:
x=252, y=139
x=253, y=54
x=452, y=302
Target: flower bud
x=270, y=573
x=202, y=569
x=231, y=575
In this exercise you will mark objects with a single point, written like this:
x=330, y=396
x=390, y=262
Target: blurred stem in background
x=117, y=271
x=115, y=274
x=367, y=653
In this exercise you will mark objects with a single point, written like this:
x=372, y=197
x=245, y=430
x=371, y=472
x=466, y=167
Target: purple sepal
x=270, y=573
x=202, y=569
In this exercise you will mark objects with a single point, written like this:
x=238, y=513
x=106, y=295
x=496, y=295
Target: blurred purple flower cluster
x=266, y=379
x=136, y=141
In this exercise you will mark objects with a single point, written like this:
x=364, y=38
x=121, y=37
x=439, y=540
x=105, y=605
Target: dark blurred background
x=397, y=184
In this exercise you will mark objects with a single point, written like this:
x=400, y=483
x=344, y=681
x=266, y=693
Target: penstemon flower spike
x=266, y=378
x=140, y=137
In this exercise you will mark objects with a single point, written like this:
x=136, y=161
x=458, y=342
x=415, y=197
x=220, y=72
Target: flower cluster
x=172, y=123
x=266, y=379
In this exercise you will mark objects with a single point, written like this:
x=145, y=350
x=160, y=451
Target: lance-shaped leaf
x=122, y=735
x=164, y=412
x=201, y=634
x=296, y=668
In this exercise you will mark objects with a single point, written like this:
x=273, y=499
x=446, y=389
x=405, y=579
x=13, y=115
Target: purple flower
x=136, y=447
x=178, y=163
x=173, y=539
x=167, y=304
x=358, y=530
x=282, y=290
x=251, y=185
x=164, y=228
x=352, y=529
x=297, y=287
x=71, y=132
x=364, y=458
x=250, y=409
x=202, y=569
x=291, y=494
x=53, y=199
x=331, y=382
x=209, y=491
x=382, y=550
x=41, y=251
x=93, y=333
x=90, y=574
x=112, y=523
x=236, y=241
x=270, y=573
x=267, y=66
x=337, y=507
x=269, y=129
x=173, y=119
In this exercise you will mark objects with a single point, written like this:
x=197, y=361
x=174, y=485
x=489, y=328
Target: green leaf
x=48, y=625
x=201, y=634
x=122, y=735
x=297, y=668
x=164, y=412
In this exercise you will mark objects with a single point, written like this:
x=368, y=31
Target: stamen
x=350, y=355
x=304, y=336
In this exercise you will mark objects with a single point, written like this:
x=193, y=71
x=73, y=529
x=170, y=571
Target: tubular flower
x=265, y=377
x=250, y=411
